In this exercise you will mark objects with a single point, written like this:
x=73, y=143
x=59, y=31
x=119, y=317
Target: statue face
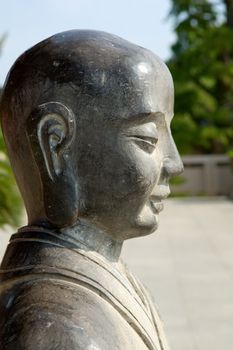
x=124, y=163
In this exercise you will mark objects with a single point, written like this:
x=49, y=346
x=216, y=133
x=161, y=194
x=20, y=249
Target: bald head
x=92, y=66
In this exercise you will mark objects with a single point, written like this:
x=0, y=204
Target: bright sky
x=27, y=22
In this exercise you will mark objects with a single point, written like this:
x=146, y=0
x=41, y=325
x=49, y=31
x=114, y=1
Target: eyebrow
x=143, y=117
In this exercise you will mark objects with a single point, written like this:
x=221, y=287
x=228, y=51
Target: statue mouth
x=162, y=192
x=156, y=205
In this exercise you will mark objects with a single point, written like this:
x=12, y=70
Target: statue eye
x=148, y=139
x=147, y=143
x=144, y=135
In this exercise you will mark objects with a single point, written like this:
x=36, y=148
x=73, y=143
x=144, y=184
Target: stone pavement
x=188, y=268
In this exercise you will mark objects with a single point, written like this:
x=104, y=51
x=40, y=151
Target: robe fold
x=54, y=295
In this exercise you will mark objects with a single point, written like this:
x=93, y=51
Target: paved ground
x=188, y=267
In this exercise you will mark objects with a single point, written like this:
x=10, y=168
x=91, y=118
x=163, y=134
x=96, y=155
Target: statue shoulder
x=54, y=315
x=45, y=331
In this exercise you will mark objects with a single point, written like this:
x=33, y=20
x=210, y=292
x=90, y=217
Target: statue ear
x=51, y=131
x=52, y=126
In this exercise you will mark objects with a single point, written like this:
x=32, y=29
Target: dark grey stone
x=86, y=118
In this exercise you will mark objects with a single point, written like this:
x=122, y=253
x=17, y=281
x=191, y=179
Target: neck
x=90, y=238
x=85, y=236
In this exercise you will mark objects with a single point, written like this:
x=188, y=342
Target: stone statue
x=86, y=119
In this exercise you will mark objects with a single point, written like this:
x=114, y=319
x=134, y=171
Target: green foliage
x=202, y=67
x=177, y=180
x=10, y=201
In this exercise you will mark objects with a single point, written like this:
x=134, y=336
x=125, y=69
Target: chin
x=143, y=226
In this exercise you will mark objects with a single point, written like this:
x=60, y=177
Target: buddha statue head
x=86, y=119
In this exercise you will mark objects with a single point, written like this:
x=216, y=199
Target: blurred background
x=188, y=266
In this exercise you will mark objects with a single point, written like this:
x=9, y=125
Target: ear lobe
x=52, y=126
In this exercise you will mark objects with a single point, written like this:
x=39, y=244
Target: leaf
x=202, y=68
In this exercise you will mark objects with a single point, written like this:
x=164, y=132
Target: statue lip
x=157, y=206
x=160, y=192
x=156, y=199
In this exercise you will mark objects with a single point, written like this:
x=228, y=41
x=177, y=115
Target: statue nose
x=172, y=167
x=172, y=164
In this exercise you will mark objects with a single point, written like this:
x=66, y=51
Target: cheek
x=137, y=172
x=117, y=172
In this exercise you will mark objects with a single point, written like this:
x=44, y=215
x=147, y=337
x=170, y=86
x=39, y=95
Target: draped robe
x=55, y=296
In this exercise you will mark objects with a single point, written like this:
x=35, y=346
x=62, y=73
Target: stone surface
x=86, y=118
